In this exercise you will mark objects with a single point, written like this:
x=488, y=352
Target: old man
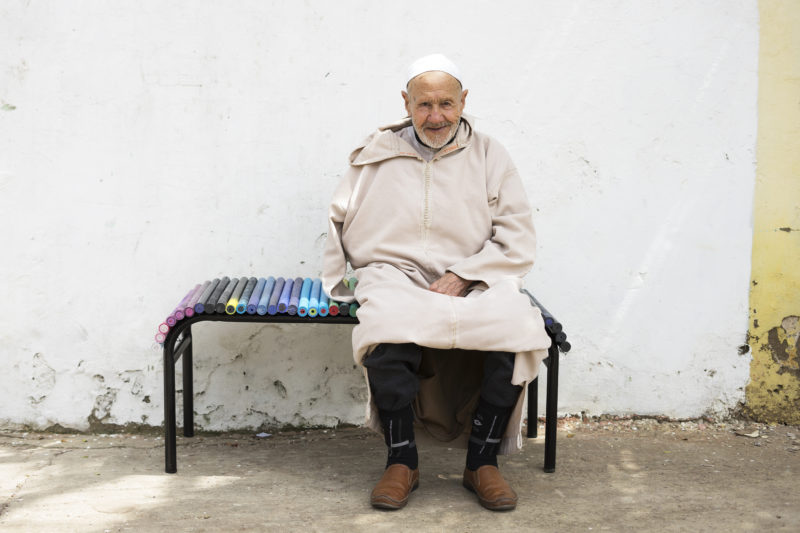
x=433, y=218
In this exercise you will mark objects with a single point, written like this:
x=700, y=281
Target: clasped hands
x=450, y=284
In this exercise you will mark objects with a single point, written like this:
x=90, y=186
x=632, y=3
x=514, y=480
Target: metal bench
x=178, y=346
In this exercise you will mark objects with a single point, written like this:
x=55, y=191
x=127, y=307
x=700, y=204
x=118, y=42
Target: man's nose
x=436, y=115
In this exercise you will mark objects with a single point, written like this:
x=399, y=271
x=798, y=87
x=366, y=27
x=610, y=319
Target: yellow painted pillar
x=773, y=394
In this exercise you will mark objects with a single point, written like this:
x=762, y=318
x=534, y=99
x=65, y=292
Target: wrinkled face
x=434, y=102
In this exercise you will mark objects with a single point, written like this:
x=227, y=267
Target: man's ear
x=406, y=102
x=464, y=97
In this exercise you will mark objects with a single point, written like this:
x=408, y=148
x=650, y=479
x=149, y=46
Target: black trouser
x=392, y=372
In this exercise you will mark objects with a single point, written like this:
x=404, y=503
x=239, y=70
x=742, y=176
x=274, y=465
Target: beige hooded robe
x=402, y=222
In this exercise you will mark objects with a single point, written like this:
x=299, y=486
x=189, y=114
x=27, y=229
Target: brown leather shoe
x=492, y=490
x=393, y=489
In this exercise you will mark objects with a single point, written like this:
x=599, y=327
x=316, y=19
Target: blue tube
x=272, y=309
x=323, y=305
x=252, y=305
x=305, y=292
x=263, y=303
x=283, y=302
x=241, y=305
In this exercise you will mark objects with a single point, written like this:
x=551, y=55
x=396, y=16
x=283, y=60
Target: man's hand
x=450, y=284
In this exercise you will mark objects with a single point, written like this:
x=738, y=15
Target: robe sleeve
x=334, y=266
x=511, y=248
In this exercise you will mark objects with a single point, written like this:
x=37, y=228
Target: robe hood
x=385, y=143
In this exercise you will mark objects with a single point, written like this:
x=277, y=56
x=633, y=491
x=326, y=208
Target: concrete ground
x=623, y=475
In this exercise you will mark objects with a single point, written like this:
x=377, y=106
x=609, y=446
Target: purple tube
x=200, y=306
x=210, y=306
x=178, y=312
x=263, y=302
x=219, y=307
x=276, y=295
x=252, y=305
x=294, y=299
x=283, y=302
x=171, y=320
x=189, y=310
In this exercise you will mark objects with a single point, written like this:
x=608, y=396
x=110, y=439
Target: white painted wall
x=147, y=146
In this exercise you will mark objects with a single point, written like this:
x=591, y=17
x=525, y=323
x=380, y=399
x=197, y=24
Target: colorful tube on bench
x=263, y=302
x=333, y=308
x=189, y=309
x=161, y=337
x=305, y=293
x=233, y=301
x=313, y=299
x=211, y=305
x=344, y=308
x=219, y=307
x=276, y=295
x=353, y=309
x=200, y=306
x=241, y=307
x=324, y=307
x=286, y=293
x=252, y=305
x=177, y=314
x=294, y=298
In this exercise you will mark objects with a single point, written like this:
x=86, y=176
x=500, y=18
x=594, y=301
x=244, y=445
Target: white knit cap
x=432, y=62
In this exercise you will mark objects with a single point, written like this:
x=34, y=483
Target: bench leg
x=188, y=390
x=169, y=409
x=551, y=411
x=533, y=409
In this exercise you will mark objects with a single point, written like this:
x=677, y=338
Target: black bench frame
x=178, y=344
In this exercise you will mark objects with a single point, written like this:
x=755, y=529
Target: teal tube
x=353, y=309
x=305, y=292
x=324, y=305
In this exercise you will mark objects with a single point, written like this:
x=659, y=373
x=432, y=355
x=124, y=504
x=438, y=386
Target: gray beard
x=427, y=142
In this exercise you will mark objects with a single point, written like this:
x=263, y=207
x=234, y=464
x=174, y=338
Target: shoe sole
x=487, y=504
x=391, y=505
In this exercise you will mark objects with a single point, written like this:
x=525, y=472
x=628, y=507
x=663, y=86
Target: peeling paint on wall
x=773, y=394
x=783, y=342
